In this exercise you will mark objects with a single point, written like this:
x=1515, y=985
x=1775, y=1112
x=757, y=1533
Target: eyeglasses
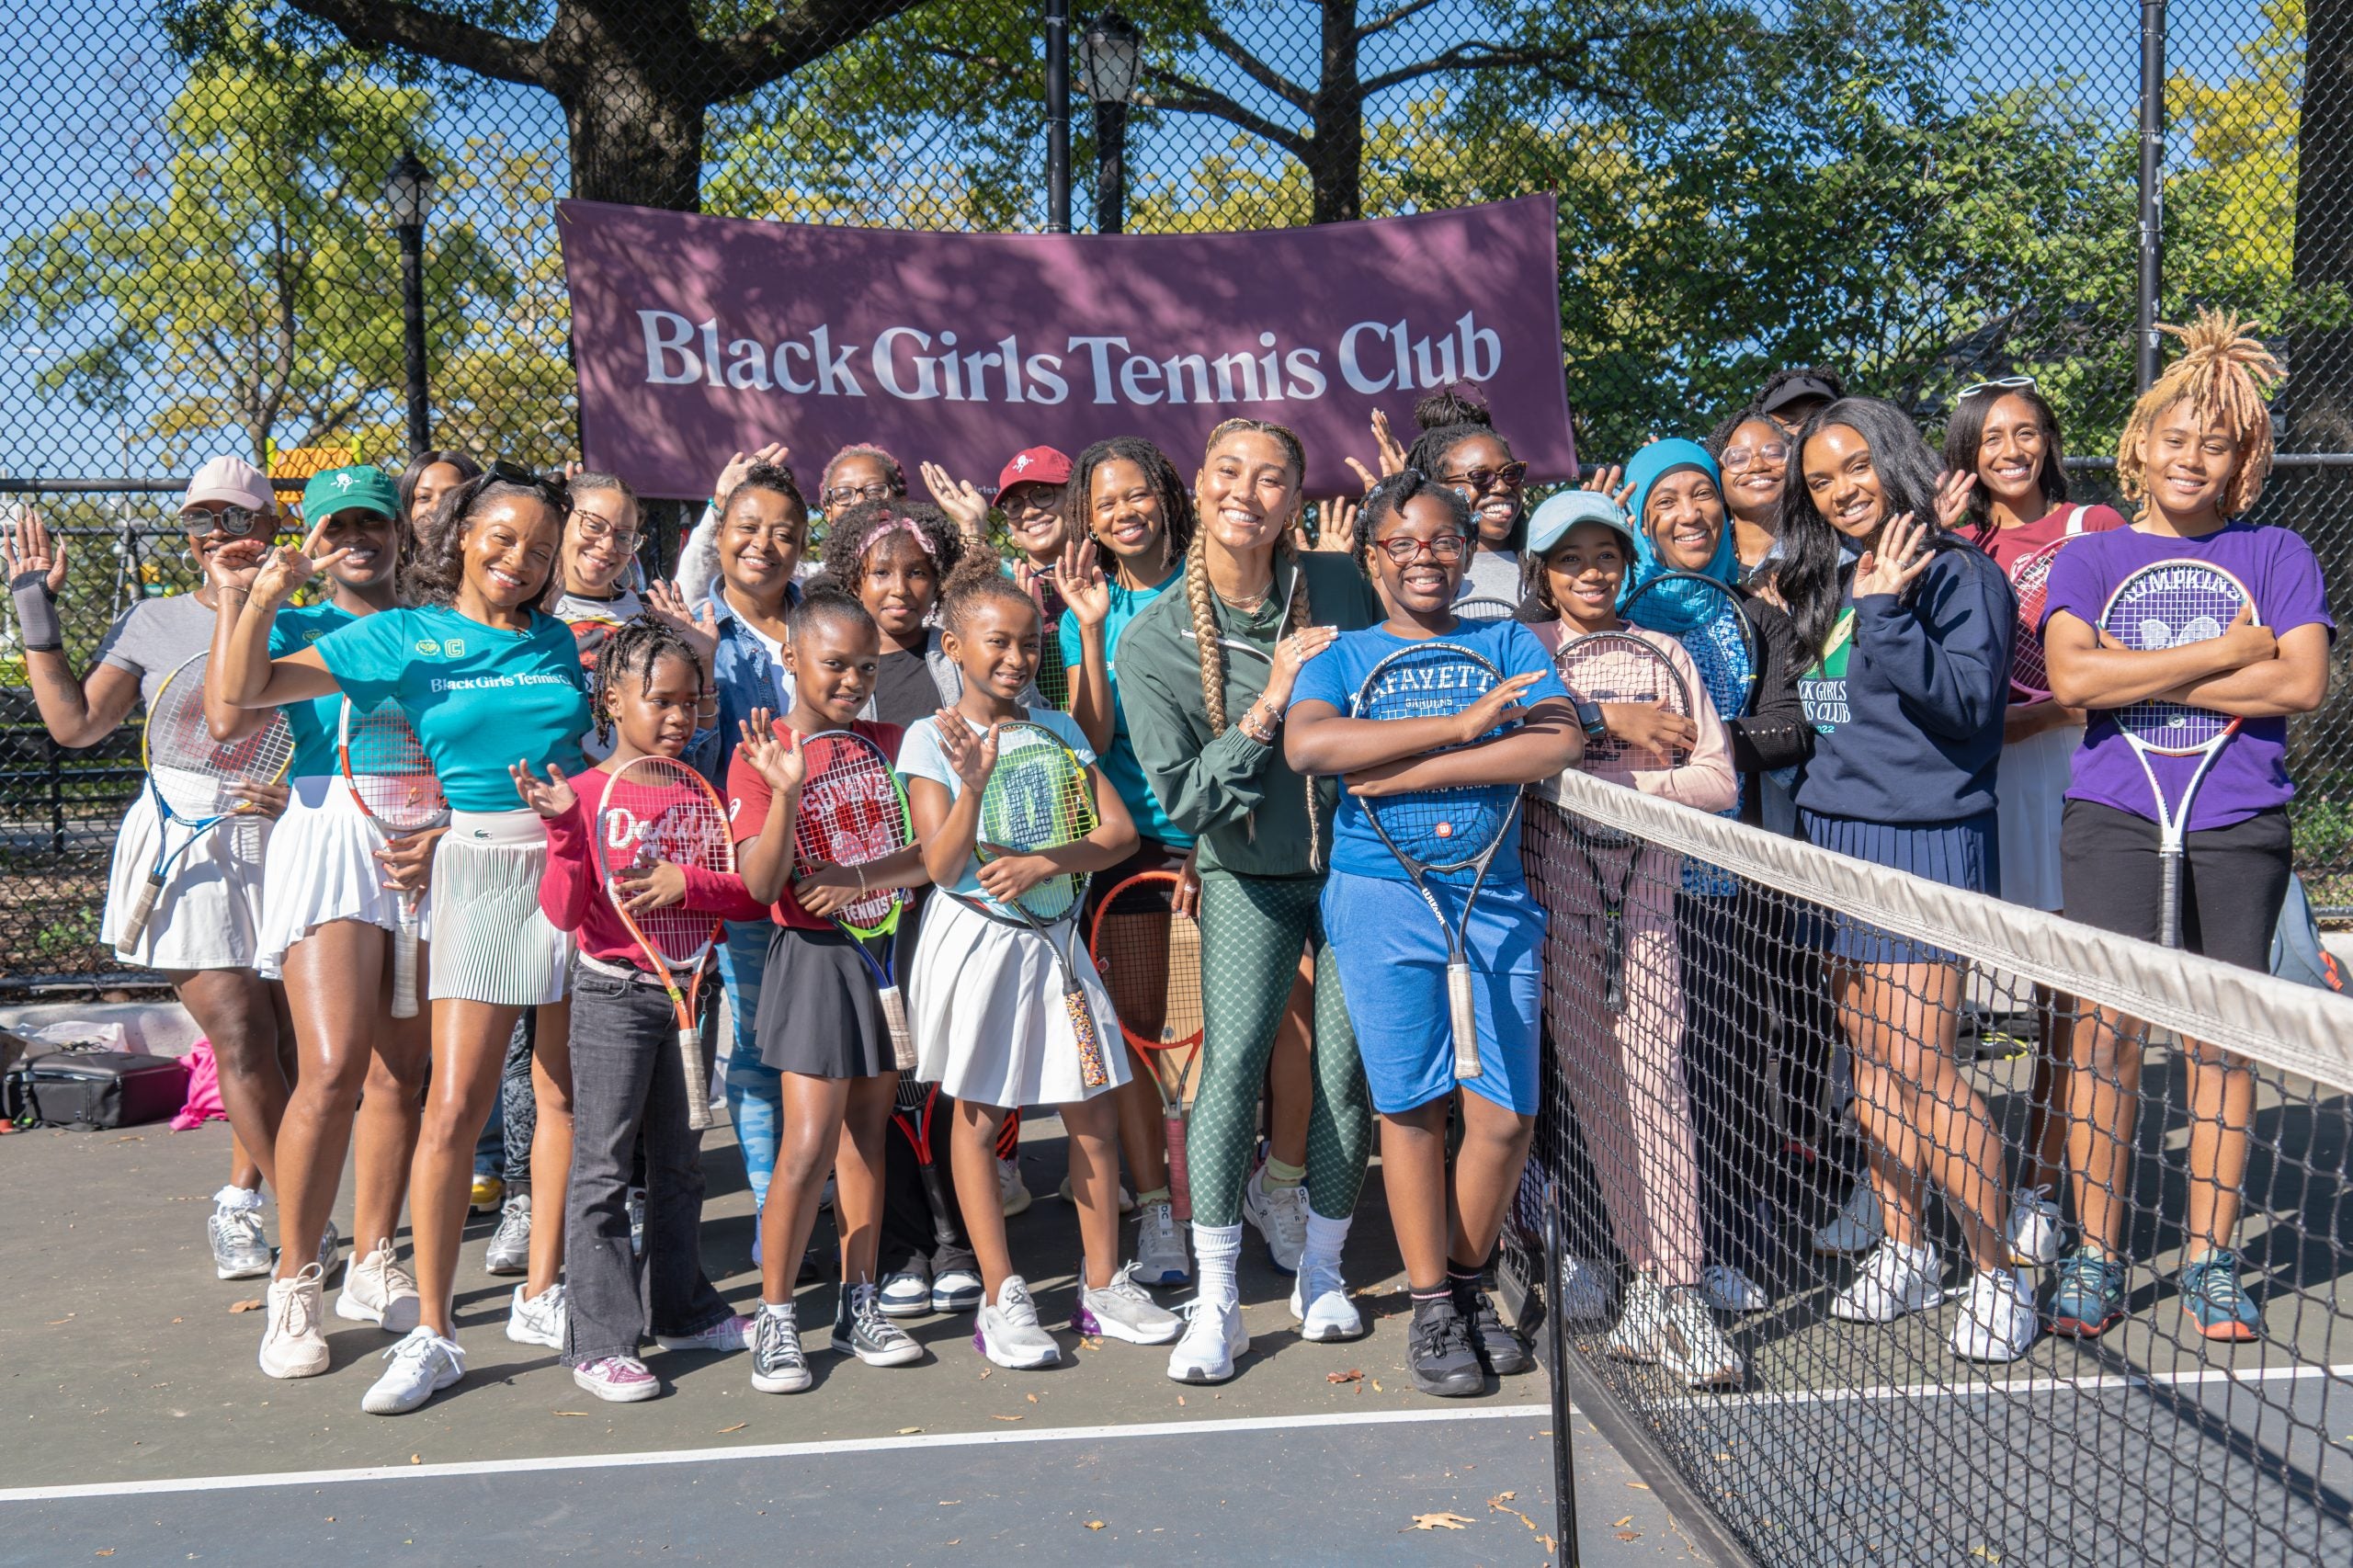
x=1446, y=550
x=1736, y=458
x=2005, y=383
x=1482, y=480
x=234, y=522
x=590, y=526
x=846, y=494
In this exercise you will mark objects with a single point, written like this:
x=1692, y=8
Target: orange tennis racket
x=657, y=810
x=1150, y=957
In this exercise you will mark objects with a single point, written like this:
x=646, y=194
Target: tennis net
x=1701, y=1178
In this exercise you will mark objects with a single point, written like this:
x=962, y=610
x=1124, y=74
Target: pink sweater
x=1705, y=782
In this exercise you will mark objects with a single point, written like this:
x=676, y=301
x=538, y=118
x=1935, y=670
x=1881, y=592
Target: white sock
x=1216, y=1250
x=1324, y=1240
x=237, y=1197
x=1921, y=1258
x=778, y=1309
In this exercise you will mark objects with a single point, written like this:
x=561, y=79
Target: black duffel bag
x=92, y=1088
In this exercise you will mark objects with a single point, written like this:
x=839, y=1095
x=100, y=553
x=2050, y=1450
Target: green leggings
x=1253, y=929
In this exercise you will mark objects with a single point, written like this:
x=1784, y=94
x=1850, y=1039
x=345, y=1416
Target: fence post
x=1058, y=116
x=2152, y=195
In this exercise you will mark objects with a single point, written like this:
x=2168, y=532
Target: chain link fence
x=1919, y=193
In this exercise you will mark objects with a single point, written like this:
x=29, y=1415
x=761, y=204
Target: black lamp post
x=408, y=195
x=1110, y=66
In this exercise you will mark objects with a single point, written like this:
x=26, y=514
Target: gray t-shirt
x=154, y=637
x=1493, y=574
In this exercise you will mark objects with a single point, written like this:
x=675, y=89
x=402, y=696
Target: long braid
x=1302, y=617
x=1212, y=650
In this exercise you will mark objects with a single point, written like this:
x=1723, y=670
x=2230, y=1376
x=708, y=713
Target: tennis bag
x=91, y=1088
x=2296, y=950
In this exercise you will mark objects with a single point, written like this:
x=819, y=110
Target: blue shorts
x=1393, y=971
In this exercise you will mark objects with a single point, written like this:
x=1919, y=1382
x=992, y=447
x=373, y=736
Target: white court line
x=760, y=1451
x=2105, y=1384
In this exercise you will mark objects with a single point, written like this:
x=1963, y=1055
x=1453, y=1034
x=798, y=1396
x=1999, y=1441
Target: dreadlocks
x=2223, y=373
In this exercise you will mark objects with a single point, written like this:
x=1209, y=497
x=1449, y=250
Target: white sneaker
x=1585, y=1290
x=240, y=1246
x=906, y=1294
x=291, y=1344
x=1997, y=1320
x=730, y=1333
x=377, y=1289
x=1693, y=1347
x=423, y=1364
x=1127, y=1199
x=1124, y=1310
x=1213, y=1337
x=618, y=1379
x=1641, y=1333
x=1011, y=1190
x=1161, y=1258
x=1281, y=1215
x=1319, y=1300
x=540, y=1321
x=2034, y=1229
x=1894, y=1280
x=1856, y=1227
x=1008, y=1331
x=1729, y=1289
x=956, y=1290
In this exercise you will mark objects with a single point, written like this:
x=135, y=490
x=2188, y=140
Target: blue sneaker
x=2088, y=1299
x=2216, y=1302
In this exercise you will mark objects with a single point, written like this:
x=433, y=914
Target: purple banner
x=696, y=337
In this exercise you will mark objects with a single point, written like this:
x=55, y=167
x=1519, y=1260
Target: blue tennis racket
x=1440, y=835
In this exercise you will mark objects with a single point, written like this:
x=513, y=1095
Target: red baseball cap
x=1037, y=465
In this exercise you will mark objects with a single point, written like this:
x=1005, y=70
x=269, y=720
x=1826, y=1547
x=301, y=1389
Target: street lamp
x=408, y=197
x=1110, y=66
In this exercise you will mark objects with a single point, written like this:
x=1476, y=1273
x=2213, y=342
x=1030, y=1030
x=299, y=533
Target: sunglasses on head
x=2003, y=383
x=553, y=491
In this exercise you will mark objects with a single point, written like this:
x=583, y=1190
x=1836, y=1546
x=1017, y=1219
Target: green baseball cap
x=362, y=487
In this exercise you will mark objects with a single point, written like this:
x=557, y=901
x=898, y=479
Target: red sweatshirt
x=572, y=895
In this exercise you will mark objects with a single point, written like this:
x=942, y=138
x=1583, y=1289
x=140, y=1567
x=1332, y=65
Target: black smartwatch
x=1589, y=719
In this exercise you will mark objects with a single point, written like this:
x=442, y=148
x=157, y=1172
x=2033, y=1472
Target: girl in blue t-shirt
x=1414, y=537
x=488, y=681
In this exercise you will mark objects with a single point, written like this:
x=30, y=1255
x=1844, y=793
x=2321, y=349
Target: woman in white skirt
x=205, y=931
x=987, y=990
x=331, y=900
x=488, y=681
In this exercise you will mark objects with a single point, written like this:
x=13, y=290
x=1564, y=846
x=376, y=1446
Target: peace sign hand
x=284, y=569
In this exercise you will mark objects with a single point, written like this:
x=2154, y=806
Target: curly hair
x=1159, y=475
x=1388, y=498
x=633, y=650
x=441, y=545
x=776, y=479
x=858, y=530
x=976, y=579
x=1457, y=403
x=1965, y=437
x=2224, y=373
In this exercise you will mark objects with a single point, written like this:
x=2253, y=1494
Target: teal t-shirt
x=1119, y=763
x=480, y=698
x=313, y=723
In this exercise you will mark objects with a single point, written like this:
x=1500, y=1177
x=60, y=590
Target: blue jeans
x=754, y=1090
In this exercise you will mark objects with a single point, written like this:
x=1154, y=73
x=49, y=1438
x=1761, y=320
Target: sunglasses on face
x=230, y=522
x=1482, y=480
x=1446, y=550
x=1738, y=457
x=2005, y=383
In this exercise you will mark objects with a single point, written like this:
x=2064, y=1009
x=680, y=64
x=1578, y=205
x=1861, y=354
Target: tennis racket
x=1038, y=798
x=393, y=783
x=194, y=777
x=914, y=1108
x=1706, y=617
x=657, y=809
x=1617, y=666
x=1150, y=957
x=2031, y=581
x=2166, y=605
x=1448, y=835
x=853, y=812
x=1482, y=607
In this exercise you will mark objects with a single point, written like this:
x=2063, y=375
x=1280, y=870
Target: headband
x=882, y=531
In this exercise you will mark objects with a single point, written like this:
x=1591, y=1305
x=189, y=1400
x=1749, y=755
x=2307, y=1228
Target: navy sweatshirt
x=1908, y=707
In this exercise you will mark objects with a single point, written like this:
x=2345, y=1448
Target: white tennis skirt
x=988, y=1019
x=209, y=914
x=491, y=943
x=322, y=868
x=2029, y=793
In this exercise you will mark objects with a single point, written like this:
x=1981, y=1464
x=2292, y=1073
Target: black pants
x=627, y=1080
x=913, y=1236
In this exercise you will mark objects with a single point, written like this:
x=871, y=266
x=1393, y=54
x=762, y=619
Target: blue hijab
x=1683, y=608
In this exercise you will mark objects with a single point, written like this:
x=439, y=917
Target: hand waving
x=551, y=799
x=781, y=763
x=28, y=548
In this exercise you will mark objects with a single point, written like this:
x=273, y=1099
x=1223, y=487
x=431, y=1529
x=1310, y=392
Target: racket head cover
x=387, y=769
x=1038, y=796
x=852, y=813
x=658, y=809
x=2168, y=604
x=194, y=774
x=1150, y=959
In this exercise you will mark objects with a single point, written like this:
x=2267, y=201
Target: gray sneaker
x=510, y=1246
x=239, y=1247
x=1124, y=1310
x=861, y=1330
x=329, y=1240
x=777, y=1364
x=1007, y=1332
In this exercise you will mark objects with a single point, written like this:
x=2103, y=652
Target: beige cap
x=231, y=481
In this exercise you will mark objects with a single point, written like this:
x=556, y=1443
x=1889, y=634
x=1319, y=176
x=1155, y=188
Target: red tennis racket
x=1150, y=957
x=2031, y=581
x=852, y=813
x=658, y=810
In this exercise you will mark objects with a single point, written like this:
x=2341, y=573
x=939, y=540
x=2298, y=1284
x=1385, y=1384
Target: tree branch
x=435, y=34
x=1383, y=24
x=1191, y=98
x=1258, y=70
x=1482, y=56
x=805, y=31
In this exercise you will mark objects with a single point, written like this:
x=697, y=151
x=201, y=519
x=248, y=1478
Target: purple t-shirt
x=2251, y=774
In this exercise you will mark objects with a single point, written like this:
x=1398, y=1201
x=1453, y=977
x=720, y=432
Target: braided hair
x=1159, y=474
x=2225, y=371
x=633, y=650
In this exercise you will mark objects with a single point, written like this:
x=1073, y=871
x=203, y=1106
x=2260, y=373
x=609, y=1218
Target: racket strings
x=1446, y=830
x=1038, y=798
x=665, y=814
x=391, y=773
x=1150, y=960
x=195, y=774
x=2170, y=606
x=1616, y=667
x=851, y=814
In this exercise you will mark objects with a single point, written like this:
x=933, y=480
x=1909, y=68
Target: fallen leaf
x=1622, y=1524
x=330, y=1518
x=737, y=1427
x=1085, y=1344
x=1095, y=1524
x=251, y=1305
x=905, y=1431
x=567, y=1413
x=1376, y=1385
x=1006, y=1418
x=1180, y=1399
x=240, y=1307
x=1438, y=1522
x=1353, y=1374
x=106, y=1551
x=1630, y=1535
x=1030, y=1397
x=416, y=1458
x=1550, y=1544
x=1495, y=1505
x=1498, y=1497
x=951, y=1502
x=1988, y=1552
x=176, y=1319
x=1638, y=1485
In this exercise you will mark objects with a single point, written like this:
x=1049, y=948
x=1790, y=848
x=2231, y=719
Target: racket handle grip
x=1181, y=1176
x=1091, y=1069
x=135, y=926
x=2170, y=894
x=1464, y=1012
x=404, y=960
x=902, y=1040
x=697, y=1084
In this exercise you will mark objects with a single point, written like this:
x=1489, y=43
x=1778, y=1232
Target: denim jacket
x=746, y=678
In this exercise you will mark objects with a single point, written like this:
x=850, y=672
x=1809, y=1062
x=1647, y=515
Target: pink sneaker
x=727, y=1333
x=622, y=1379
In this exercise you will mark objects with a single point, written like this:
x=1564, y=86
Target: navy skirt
x=1964, y=854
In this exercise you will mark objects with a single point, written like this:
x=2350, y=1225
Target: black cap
x=1798, y=389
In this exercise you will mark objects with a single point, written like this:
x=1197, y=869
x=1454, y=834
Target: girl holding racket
x=487, y=680
x=985, y=982
x=1414, y=537
x=821, y=1024
x=628, y=1083
x=2252, y=651
x=331, y=905
x=2004, y=437
x=1207, y=716
x=1907, y=695
x=205, y=931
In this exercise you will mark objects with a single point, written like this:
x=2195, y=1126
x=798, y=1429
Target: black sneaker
x=861, y=1330
x=1440, y=1353
x=1500, y=1350
x=777, y=1365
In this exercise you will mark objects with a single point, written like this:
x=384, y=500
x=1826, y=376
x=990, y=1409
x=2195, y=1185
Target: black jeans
x=627, y=1080
x=504, y=1147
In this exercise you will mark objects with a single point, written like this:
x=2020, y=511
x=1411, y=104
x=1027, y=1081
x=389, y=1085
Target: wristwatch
x=1589, y=719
